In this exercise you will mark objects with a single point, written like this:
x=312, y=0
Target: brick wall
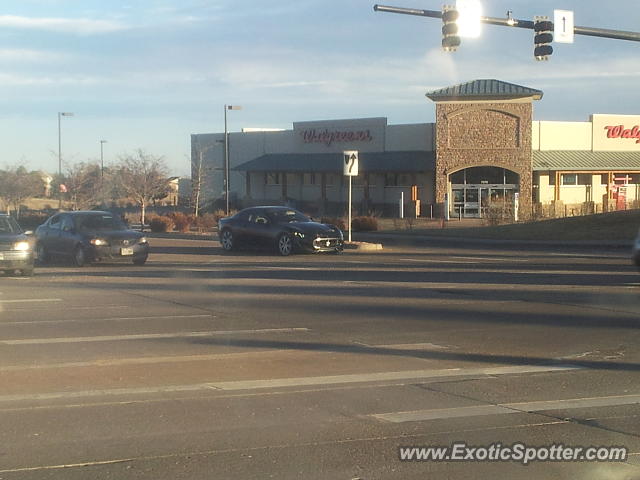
x=470, y=134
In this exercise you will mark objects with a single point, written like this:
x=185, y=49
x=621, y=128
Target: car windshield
x=100, y=222
x=282, y=215
x=9, y=225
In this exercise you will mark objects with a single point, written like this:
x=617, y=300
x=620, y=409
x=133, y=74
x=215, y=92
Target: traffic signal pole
x=512, y=22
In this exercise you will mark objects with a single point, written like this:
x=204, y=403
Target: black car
x=16, y=248
x=282, y=228
x=89, y=236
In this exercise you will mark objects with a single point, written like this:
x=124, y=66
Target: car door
x=240, y=227
x=261, y=227
x=68, y=235
x=49, y=235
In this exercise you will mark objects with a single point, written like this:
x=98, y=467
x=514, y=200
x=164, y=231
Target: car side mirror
x=67, y=229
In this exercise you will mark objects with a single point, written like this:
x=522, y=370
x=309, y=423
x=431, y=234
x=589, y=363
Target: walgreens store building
x=483, y=149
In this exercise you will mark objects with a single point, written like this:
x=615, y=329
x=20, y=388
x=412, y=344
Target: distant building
x=483, y=149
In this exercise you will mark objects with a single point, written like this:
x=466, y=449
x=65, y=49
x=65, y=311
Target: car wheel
x=79, y=256
x=41, y=254
x=226, y=240
x=27, y=272
x=285, y=244
x=140, y=261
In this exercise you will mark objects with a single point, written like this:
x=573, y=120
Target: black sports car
x=16, y=248
x=282, y=228
x=89, y=236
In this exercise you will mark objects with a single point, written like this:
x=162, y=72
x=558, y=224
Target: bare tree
x=17, y=185
x=143, y=177
x=84, y=185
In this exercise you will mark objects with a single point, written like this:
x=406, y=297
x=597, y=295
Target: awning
x=576, y=160
x=370, y=162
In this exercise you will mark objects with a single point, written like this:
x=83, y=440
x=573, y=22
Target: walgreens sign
x=620, y=131
x=615, y=133
x=329, y=137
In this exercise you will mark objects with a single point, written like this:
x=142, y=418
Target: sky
x=146, y=74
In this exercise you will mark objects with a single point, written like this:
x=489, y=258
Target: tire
x=79, y=256
x=140, y=261
x=226, y=240
x=27, y=272
x=41, y=254
x=285, y=244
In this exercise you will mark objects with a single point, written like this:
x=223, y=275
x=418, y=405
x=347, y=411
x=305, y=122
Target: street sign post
x=564, y=24
x=350, y=169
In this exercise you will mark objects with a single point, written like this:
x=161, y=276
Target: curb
x=416, y=240
x=363, y=246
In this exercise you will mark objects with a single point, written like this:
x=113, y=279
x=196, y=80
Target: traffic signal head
x=450, y=37
x=543, y=29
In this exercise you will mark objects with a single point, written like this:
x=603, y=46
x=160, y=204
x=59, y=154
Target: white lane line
x=108, y=319
x=250, y=385
x=146, y=336
x=424, y=260
x=32, y=300
x=507, y=408
x=139, y=361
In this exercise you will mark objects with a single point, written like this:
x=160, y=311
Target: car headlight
x=98, y=242
x=298, y=234
x=22, y=246
x=142, y=240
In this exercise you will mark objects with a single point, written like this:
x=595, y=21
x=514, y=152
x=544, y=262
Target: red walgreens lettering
x=618, y=131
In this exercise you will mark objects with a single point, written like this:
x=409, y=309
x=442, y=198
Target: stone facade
x=478, y=134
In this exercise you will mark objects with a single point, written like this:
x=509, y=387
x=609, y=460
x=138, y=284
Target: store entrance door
x=472, y=201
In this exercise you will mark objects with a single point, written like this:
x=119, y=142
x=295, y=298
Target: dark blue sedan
x=89, y=236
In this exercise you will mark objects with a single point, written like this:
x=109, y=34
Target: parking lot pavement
x=203, y=364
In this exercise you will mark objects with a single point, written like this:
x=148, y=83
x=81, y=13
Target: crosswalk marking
x=508, y=408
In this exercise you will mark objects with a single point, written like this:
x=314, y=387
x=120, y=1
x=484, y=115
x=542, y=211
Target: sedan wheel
x=79, y=256
x=285, y=244
x=227, y=240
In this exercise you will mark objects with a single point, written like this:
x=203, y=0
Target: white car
x=636, y=251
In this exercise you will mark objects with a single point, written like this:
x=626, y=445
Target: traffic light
x=543, y=38
x=450, y=37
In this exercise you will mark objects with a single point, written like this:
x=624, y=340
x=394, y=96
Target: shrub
x=337, y=222
x=159, y=223
x=181, y=221
x=206, y=221
x=364, y=224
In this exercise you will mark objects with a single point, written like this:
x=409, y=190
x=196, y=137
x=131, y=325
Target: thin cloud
x=80, y=26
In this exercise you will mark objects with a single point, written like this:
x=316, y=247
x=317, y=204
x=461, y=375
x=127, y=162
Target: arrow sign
x=350, y=163
x=563, y=23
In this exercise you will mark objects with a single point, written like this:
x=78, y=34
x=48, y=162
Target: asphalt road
x=205, y=365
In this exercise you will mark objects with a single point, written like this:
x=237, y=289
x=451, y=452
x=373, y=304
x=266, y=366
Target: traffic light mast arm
x=505, y=22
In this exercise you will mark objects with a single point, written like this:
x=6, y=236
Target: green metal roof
x=411, y=161
x=484, y=90
x=585, y=160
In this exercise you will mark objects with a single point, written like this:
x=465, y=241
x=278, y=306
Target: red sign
x=328, y=137
x=618, y=131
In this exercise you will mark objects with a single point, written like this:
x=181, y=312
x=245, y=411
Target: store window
x=272, y=178
x=573, y=179
x=398, y=180
x=332, y=180
x=309, y=179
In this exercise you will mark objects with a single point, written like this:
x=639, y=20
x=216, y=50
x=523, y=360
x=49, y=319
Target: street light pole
x=226, y=154
x=102, y=142
x=60, y=115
